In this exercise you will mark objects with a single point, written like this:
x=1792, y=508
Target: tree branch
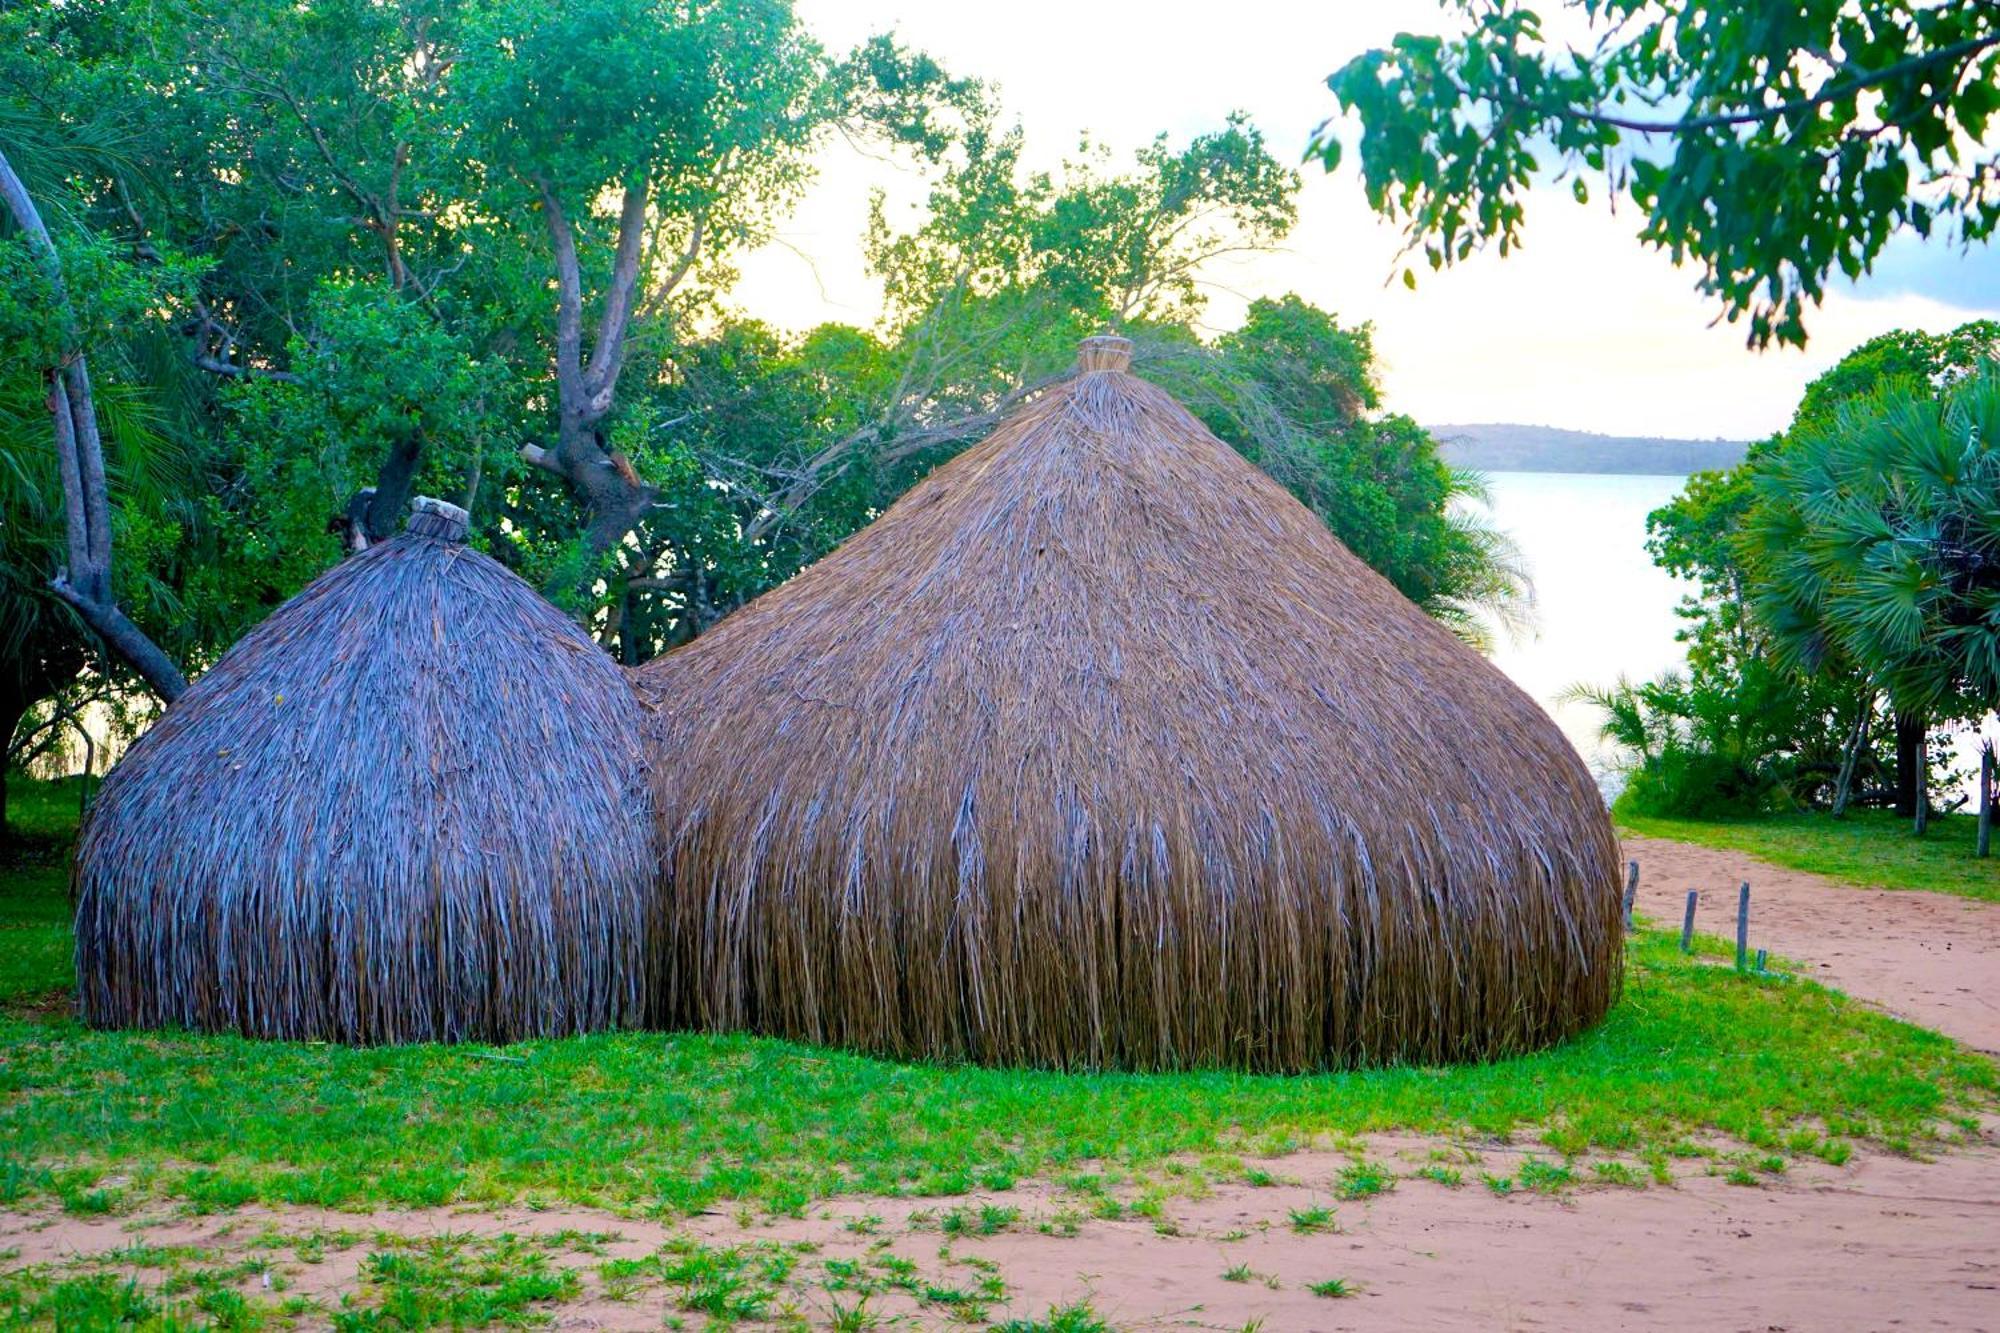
x=80, y=461
x=607, y=358
x=569, y=298
x=1829, y=92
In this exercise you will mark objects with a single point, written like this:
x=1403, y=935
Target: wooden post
x=1743, y=925
x=1763, y=956
x=1631, y=890
x=1985, y=798
x=1687, y=923
x=1923, y=808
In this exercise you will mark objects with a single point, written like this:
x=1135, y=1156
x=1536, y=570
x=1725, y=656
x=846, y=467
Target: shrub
x=1695, y=784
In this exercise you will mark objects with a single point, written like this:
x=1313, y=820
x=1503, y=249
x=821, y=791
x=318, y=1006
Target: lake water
x=1602, y=608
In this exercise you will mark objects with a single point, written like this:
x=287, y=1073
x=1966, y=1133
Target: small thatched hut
x=409, y=806
x=1098, y=749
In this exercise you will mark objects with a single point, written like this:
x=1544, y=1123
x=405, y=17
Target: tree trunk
x=1923, y=793
x=86, y=582
x=1985, y=798
x=1843, y=787
x=1909, y=762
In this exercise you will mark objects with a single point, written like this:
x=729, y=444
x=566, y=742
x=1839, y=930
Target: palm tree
x=1874, y=541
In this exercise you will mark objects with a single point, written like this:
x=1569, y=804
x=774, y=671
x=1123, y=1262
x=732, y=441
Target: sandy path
x=1928, y=957
x=1880, y=1243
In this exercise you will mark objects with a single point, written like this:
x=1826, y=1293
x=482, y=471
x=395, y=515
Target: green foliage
x=315, y=237
x=378, y=374
x=1776, y=147
x=1875, y=541
x=1293, y=390
x=708, y=102
x=1697, y=784
x=1734, y=740
x=1900, y=356
x=1774, y=702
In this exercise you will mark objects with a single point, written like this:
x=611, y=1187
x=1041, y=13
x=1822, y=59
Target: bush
x=1695, y=784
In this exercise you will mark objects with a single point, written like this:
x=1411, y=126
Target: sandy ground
x=1928, y=957
x=1879, y=1243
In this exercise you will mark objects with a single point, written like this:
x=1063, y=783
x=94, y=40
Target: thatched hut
x=1098, y=750
x=409, y=806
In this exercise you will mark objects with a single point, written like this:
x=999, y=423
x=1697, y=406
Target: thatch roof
x=409, y=806
x=1098, y=749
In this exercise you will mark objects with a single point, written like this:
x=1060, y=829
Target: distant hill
x=1504, y=448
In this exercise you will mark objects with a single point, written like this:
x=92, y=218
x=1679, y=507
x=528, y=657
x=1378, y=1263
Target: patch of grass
x=31, y=1299
x=1870, y=848
x=771, y=1126
x=454, y=1282
x=1064, y=1222
x=1544, y=1177
x=1617, y=1173
x=986, y=1220
x=1078, y=1318
x=1363, y=1180
x=1448, y=1176
x=209, y=1191
x=1333, y=1288
x=1311, y=1221
x=850, y=1318
x=1237, y=1273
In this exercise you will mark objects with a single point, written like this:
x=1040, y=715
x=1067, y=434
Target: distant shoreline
x=1499, y=447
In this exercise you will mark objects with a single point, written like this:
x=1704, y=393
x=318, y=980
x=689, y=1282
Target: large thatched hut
x=409, y=806
x=1098, y=749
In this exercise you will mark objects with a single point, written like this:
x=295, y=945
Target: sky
x=1582, y=328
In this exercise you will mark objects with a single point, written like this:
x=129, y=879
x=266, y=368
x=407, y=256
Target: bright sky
x=1582, y=329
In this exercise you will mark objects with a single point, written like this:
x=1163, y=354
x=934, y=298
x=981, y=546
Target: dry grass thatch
x=407, y=807
x=1097, y=749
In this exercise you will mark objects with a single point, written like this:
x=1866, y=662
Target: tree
x=1875, y=540
x=1935, y=360
x=1296, y=393
x=47, y=325
x=485, y=249
x=1775, y=146
x=987, y=298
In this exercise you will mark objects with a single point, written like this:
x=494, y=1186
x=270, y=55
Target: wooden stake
x=1763, y=955
x=1631, y=890
x=1687, y=923
x=1743, y=925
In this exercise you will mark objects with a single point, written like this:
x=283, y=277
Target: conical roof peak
x=1104, y=351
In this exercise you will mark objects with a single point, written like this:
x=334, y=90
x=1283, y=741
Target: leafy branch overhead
x=1775, y=147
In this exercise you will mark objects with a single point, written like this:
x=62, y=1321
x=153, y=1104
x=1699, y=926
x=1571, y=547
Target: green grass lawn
x=1872, y=848
x=1697, y=1062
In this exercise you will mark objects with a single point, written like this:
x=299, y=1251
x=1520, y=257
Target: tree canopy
x=1874, y=540
x=327, y=255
